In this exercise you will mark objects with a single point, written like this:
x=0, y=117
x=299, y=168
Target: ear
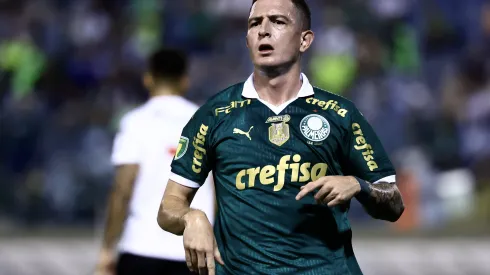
x=246, y=41
x=148, y=81
x=185, y=83
x=307, y=38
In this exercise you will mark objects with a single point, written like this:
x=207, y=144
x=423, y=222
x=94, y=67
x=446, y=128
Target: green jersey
x=260, y=156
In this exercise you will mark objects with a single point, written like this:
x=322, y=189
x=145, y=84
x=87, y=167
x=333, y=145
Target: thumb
x=217, y=254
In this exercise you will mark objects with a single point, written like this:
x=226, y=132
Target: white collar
x=250, y=92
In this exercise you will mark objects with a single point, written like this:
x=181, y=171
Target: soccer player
x=143, y=151
x=287, y=159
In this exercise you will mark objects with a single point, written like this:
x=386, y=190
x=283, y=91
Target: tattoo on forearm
x=384, y=201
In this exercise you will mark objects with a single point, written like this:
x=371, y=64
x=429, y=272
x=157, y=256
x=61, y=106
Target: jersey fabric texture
x=260, y=157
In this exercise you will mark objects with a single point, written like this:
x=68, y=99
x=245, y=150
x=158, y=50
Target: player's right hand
x=201, y=249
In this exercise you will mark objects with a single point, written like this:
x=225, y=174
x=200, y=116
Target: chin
x=267, y=61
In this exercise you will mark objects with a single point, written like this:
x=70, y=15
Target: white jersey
x=148, y=136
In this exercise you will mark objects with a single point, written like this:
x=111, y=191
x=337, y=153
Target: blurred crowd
x=418, y=70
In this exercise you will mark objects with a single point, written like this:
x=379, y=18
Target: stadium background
x=418, y=70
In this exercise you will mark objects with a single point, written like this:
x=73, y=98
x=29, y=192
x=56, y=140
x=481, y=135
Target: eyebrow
x=273, y=16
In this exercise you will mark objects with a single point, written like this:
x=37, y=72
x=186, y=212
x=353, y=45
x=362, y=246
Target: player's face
x=275, y=35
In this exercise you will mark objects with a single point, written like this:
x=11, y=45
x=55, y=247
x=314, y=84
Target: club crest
x=315, y=128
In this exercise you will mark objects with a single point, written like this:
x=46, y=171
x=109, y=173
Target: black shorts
x=130, y=264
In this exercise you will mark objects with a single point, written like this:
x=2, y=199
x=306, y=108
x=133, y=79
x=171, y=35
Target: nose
x=264, y=29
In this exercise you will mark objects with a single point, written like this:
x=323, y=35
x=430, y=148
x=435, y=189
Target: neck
x=278, y=86
x=164, y=91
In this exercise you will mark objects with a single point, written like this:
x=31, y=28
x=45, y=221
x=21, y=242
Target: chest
x=301, y=141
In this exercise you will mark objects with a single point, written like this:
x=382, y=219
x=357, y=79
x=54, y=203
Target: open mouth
x=265, y=48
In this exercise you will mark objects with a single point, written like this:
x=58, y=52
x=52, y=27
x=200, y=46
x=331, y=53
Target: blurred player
x=287, y=159
x=143, y=151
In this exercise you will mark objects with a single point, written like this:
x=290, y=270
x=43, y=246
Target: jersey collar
x=250, y=92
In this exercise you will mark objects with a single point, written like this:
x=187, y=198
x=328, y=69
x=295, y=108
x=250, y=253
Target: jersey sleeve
x=364, y=154
x=193, y=158
x=126, y=148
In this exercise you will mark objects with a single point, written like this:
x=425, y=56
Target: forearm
x=381, y=200
x=173, y=214
x=117, y=211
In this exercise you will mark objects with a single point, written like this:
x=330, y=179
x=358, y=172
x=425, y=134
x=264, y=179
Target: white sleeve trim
x=183, y=181
x=390, y=179
x=117, y=162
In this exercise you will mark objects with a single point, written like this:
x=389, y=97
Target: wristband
x=365, y=189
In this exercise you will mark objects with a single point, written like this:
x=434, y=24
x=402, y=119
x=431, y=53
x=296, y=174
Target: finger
x=217, y=257
x=201, y=262
x=188, y=259
x=330, y=196
x=336, y=201
x=308, y=188
x=194, y=261
x=324, y=191
x=210, y=263
x=324, y=179
x=217, y=254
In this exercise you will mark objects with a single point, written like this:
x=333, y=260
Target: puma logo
x=240, y=132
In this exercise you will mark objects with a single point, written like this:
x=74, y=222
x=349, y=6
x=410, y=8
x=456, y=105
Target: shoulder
x=132, y=118
x=328, y=101
x=225, y=96
x=221, y=100
x=183, y=109
x=186, y=105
